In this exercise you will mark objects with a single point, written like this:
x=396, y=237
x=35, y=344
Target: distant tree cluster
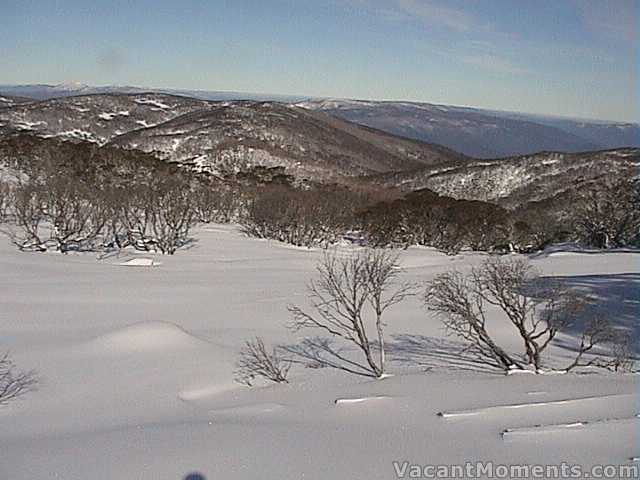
x=79, y=198
x=312, y=216
x=425, y=218
x=607, y=214
x=603, y=215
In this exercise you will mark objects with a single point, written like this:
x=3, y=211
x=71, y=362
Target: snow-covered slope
x=517, y=180
x=136, y=374
x=225, y=137
x=10, y=101
x=235, y=136
x=96, y=118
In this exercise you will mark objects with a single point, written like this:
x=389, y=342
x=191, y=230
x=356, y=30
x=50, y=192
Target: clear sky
x=568, y=57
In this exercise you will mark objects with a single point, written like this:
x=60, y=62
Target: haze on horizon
x=573, y=58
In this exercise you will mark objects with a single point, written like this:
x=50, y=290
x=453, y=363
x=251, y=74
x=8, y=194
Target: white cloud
x=436, y=13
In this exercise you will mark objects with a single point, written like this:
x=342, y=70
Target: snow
x=150, y=101
x=112, y=115
x=145, y=124
x=136, y=368
x=144, y=337
x=494, y=408
x=512, y=433
x=26, y=125
x=349, y=401
x=76, y=133
x=140, y=262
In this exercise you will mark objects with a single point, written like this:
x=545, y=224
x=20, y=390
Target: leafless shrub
x=13, y=383
x=622, y=355
x=6, y=200
x=426, y=218
x=216, y=203
x=346, y=292
x=615, y=348
x=313, y=217
x=533, y=227
x=75, y=214
x=458, y=301
x=172, y=218
x=257, y=361
x=537, y=308
x=26, y=232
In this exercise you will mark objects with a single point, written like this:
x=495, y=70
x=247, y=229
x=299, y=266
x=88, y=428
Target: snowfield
x=136, y=368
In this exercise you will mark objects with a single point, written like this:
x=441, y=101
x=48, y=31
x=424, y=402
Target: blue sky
x=568, y=57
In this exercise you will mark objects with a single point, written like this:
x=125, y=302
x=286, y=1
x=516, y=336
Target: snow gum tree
x=537, y=308
x=350, y=297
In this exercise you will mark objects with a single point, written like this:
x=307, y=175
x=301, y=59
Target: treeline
x=606, y=215
x=80, y=197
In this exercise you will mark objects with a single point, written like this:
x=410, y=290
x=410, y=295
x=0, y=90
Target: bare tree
x=13, y=383
x=173, y=216
x=6, y=200
x=316, y=216
x=75, y=213
x=215, y=202
x=346, y=289
x=458, y=301
x=257, y=361
x=26, y=231
x=537, y=308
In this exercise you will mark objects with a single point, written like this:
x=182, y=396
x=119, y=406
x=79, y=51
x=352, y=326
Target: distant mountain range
x=474, y=132
x=311, y=141
x=482, y=133
x=225, y=137
x=46, y=92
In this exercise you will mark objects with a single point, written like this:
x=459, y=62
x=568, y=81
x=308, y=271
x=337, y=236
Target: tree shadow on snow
x=613, y=296
x=435, y=353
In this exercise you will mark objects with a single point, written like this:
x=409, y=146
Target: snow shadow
x=613, y=296
x=435, y=353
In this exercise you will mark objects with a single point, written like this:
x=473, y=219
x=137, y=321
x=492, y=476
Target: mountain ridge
x=225, y=137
